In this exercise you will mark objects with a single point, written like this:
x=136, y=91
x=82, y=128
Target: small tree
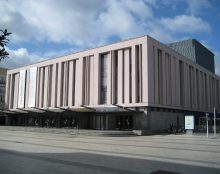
x=3, y=42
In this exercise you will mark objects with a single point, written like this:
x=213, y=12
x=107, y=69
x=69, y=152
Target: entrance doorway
x=69, y=122
x=2, y=120
x=124, y=122
x=100, y=122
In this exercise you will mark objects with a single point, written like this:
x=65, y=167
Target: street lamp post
x=214, y=122
x=207, y=124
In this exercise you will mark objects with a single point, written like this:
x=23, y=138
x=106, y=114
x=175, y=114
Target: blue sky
x=45, y=29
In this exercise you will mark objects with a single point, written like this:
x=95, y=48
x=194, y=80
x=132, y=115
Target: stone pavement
x=26, y=152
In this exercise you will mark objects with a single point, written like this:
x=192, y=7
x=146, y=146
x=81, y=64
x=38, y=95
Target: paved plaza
x=37, y=152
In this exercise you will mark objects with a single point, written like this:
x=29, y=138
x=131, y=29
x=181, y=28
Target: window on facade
x=2, y=79
x=50, y=74
x=138, y=58
x=86, y=80
x=103, y=79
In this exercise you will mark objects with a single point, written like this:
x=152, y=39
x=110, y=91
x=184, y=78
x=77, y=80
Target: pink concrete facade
x=141, y=72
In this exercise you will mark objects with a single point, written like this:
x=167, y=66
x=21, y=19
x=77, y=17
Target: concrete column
x=120, y=77
x=79, y=82
x=134, y=74
x=203, y=91
x=59, y=94
x=199, y=88
x=27, y=88
x=70, y=88
x=164, y=93
x=96, y=87
x=109, y=78
x=193, y=89
x=177, y=77
x=53, y=92
x=169, y=84
x=7, y=89
x=145, y=75
x=37, y=88
x=16, y=91
x=113, y=79
x=150, y=73
x=140, y=90
x=184, y=85
x=173, y=80
x=45, y=98
x=11, y=97
x=187, y=87
x=127, y=76
x=156, y=89
x=41, y=87
x=91, y=76
x=65, y=84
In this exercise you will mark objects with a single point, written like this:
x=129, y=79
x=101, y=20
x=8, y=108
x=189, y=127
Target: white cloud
x=91, y=22
x=21, y=57
x=186, y=24
x=124, y=18
x=157, y=31
x=197, y=6
x=12, y=20
x=164, y=3
x=18, y=58
x=56, y=21
x=84, y=24
x=74, y=22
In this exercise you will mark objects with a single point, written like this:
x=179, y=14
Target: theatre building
x=137, y=84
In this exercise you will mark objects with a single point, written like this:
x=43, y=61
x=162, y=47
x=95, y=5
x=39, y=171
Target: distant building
x=3, y=73
x=137, y=84
x=195, y=51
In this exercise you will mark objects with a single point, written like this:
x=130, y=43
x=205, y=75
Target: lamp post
x=214, y=122
x=207, y=124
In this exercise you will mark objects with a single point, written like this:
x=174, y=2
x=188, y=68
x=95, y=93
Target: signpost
x=189, y=123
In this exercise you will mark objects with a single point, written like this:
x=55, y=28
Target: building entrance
x=100, y=122
x=69, y=122
x=2, y=120
x=112, y=122
x=124, y=122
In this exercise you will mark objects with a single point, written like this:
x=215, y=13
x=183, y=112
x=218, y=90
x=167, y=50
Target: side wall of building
x=177, y=82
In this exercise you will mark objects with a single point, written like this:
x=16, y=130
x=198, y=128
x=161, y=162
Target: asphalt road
x=24, y=152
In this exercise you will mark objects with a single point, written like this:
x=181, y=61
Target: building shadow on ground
x=13, y=162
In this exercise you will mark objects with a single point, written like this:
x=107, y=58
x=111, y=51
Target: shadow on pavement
x=13, y=162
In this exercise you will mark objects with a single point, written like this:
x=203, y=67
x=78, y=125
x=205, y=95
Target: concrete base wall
x=150, y=122
x=147, y=122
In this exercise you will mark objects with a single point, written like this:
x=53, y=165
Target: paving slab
x=50, y=152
